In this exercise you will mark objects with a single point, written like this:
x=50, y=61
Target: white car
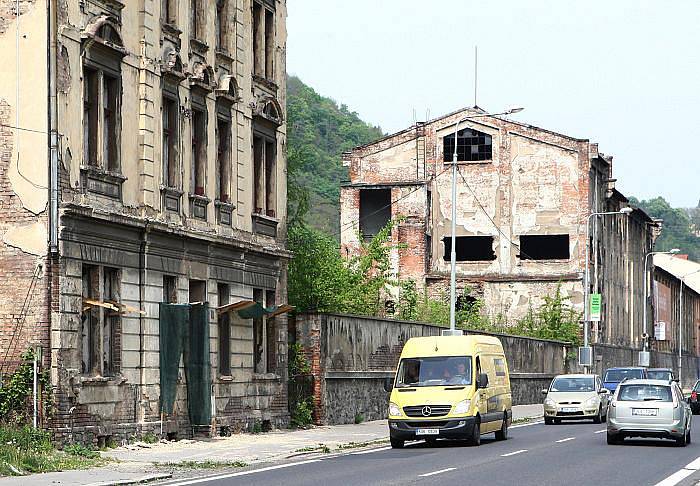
x=649, y=408
x=575, y=397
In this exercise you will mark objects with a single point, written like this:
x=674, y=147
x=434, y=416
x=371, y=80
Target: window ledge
x=226, y=378
x=223, y=57
x=198, y=206
x=268, y=83
x=545, y=260
x=100, y=181
x=102, y=380
x=171, y=31
x=199, y=46
x=198, y=197
x=265, y=225
x=469, y=162
x=171, y=198
x=266, y=376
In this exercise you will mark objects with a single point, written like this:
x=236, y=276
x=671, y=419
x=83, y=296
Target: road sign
x=585, y=356
x=595, y=307
x=660, y=331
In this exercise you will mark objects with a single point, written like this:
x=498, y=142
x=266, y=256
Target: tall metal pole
x=586, y=286
x=680, y=334
x=646, y=298
x=34, y=388
x=453, y=250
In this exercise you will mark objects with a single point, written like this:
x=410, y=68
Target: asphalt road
x=567, y=454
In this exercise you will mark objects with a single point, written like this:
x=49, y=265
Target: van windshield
x=435, y=371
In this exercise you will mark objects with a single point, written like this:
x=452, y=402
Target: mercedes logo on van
x=426, y=411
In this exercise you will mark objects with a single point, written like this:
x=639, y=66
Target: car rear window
x=617, y=376
x=645, y=393
x=659, y=375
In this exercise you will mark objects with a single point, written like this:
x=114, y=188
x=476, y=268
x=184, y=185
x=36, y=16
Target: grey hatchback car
x=649, y=408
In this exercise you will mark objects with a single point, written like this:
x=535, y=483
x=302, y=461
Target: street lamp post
x=680, y=326
x=586, y=277
x=453, y=250
x=646, y=298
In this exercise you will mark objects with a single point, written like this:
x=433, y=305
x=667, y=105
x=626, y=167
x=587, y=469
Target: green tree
x=676, y=229
x=318, y=132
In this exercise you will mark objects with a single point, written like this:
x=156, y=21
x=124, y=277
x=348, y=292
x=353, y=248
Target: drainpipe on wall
x=142, y=317
x=53, y=127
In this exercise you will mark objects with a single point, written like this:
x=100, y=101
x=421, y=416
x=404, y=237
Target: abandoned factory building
x=524, y=195
x=149, y=152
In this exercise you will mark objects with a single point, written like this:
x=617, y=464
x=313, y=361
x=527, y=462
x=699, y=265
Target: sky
x=623, y=73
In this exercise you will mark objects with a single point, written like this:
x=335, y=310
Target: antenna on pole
x=476, y=63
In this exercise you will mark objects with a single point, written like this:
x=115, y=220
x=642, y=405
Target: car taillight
x=694, y=396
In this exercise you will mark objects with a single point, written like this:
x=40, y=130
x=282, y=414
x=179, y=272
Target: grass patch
x=25, y=450
x=356, y=445
x=319, y=448
x=523, y=420
x=202, y=464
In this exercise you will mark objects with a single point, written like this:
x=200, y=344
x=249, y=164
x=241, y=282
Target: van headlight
x=394, y=409
x=591, y=402
x=462, y=407
x=548, y=402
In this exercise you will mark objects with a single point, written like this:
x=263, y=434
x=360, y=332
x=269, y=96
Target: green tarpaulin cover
x=173, y=323
x=255, y=311
x=184, y=328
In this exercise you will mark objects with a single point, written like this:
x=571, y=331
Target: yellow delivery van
x=450, y=387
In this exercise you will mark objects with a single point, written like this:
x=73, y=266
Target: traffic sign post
x=595, y=307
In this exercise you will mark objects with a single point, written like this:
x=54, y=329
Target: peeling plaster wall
x=24, y=305
x=537, y=183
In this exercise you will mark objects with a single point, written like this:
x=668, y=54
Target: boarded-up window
x=259, y=363
x=470, y=248
x=544, y=247
x=375, y=211
x=224, y=325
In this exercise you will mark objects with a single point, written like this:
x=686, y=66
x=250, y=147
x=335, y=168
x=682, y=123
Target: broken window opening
x=269, y=44
x=270, y=178
x=375, y=211
x=224, y=326
x=258, y=41
x=198, y=291
x=171, y=138
x=270, y=335
x=168, y=11
x=90, y=123
x=223, y=159
x=464, y=302
x=544, y=247
x=199, y=154
x=470, y=248
x=196, y=31
x=259, y=362
x=100, y=325
x=170, y=289
x=472, y=146
x=221, y=44
x=264, y=169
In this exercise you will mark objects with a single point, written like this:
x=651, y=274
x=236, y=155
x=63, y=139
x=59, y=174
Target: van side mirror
x=604, y=391
x=388, y=383
x=482, y=381
x=544, y=391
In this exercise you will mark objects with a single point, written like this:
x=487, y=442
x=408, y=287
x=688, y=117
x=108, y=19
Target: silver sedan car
x=649, y=408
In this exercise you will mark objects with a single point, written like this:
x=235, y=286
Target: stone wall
x=351, y=355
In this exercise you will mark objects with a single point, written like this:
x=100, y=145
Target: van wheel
x=548, y=420
x=475, y=439
x=503, y=433
x=687, y=437
x=613, y=439
x=396, y=443
x=682, y=441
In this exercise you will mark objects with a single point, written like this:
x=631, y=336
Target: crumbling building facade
x=144, y=166
x=524, y=195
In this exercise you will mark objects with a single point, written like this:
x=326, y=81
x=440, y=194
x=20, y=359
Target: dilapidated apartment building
x=142, y=189
x=524, y=195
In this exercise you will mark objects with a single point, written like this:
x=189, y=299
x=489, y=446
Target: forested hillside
x=319, y=131
x=680, y=226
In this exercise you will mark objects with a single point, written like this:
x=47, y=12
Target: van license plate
x=427, y=431
x=647, y=412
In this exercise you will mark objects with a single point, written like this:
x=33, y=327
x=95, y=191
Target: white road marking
x=564, y=440
x=679, y=476
x=514, y=453
x=600, y=431
x=437, y=472
x=370, y=451
x=243, y=473
x=526, y=425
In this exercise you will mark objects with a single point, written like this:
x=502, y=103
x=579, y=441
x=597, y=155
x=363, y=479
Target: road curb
x=141, y=480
